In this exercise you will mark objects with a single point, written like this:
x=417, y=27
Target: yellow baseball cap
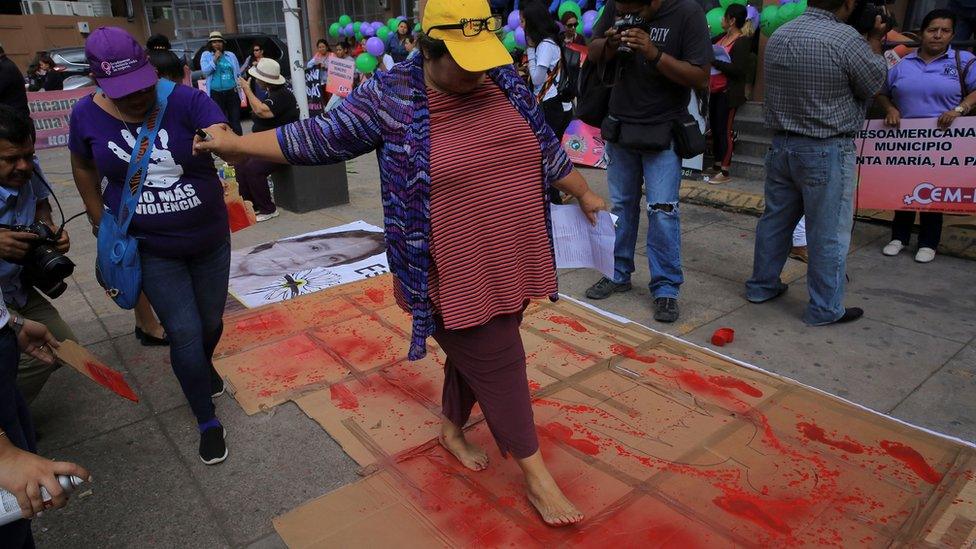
x=476, y=53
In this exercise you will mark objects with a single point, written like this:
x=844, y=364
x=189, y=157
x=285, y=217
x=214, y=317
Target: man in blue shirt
x=23, y=199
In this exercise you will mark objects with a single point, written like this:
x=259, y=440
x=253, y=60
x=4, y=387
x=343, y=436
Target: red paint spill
x=534, y=386
x=751, y=509
x=733, y=383
x=564, y=434
x=630, y=352
x=376, y=295
x=107, y=377
x=343, y=397
x=695, y=382
x=566, y=321
x=914, y=460
x=814, y=432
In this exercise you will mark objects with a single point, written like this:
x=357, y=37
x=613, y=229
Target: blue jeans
x=16, y=422
x=188, y=294
x=813, y=177
x=659, y=173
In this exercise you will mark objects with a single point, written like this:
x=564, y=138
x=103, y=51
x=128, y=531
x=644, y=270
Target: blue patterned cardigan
x=389, y=114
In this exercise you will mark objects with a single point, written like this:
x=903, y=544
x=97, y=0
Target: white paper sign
x=303, y=264
x=579, y=244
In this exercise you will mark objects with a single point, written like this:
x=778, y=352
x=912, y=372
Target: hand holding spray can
x=10, y=509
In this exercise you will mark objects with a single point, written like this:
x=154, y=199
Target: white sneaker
x=925, y=255
x=893, y=248
x=265, y=217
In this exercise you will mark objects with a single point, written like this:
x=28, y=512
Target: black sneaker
x=216, y=384
x=605, y=287
x=665, y=309
x=850, y=315
x=213, y=449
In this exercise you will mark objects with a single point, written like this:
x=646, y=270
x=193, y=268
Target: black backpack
x=569, y=84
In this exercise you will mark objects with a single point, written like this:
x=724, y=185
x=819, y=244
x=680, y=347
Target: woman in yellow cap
x=466, y=159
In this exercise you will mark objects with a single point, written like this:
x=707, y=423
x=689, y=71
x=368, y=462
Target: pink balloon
x=375, y=47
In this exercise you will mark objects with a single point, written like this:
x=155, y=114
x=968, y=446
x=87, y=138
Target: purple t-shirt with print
x=181, y=211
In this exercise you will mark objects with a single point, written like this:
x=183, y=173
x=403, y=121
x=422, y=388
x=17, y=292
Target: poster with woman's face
x=299, y=265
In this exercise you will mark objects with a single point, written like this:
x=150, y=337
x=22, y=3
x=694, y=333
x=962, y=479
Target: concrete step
x=751, y=145
x=753, y=125
x=748, y=167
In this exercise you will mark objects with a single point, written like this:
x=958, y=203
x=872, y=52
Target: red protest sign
x=341, y=75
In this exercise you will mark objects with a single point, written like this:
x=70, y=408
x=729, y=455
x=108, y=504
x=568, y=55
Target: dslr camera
x=45, y=267
x=865, y=12
x=628, y=21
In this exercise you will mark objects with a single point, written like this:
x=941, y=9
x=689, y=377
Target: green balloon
x=383, y=33
x=392, y=24
x=509, y=41
x=344, y=20
x=359, y=37
x=417, y=28
x=569, y=5
x=768, y=19
x=356, y=26
x=725, y=4
x=714, y=18
x=366, y=63
x=334, y=30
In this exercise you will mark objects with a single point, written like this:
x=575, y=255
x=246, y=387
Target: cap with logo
x=118, y=63
x=473, y=53
x=267, y=70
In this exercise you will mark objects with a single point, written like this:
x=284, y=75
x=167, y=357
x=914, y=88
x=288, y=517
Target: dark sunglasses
x=473, y=27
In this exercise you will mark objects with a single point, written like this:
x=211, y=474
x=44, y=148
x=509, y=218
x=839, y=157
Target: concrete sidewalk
x=913, y=356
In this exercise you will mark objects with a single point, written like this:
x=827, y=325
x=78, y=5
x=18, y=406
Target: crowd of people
x=464, y=279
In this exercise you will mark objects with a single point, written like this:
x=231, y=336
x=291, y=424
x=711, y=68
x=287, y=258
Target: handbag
x=636, y=136
x=689, y=141
x=118, y=267
x=593, y=99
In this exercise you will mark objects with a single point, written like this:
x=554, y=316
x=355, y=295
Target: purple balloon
x=590, y=16
x=375, y=47
x=402, y=18
x=514, y=19
x=588, y=28
x=349, y=30
x=520, y=37
x=752, y=14
x=367, y=30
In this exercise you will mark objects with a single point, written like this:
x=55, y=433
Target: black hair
x=15, y=126
x=46, y=59
x=322, y=41
x=2, y=52
x=403, y=21
x=737, y=13
x=167, y=64
x=431, y=48
x=826, y=5
x=259, y=43
x=938, y=13
x=377, y=238
x=539, y=24
x=158, y=41
x=570, y=14
x=632, y=2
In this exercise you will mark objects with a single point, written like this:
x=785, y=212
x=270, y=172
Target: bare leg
x=146, y=318
x=470, y=455
x=545, y=495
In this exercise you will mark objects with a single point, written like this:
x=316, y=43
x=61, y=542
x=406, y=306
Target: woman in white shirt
x=546, y=70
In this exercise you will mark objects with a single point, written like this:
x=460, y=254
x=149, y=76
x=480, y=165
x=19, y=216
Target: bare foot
x=551, y=504
x=471, y=456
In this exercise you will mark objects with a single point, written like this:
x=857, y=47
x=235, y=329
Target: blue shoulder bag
x=118, y=264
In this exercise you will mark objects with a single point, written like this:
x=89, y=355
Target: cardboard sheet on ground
x=92, y=367
x=304, y=264
x=661, y=443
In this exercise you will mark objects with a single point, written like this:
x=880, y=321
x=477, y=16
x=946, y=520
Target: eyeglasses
x=474, y=27
x=572, y=24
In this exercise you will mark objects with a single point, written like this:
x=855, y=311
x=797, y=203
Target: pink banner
x=342, y=73
x=50, y=111
x=584, y=145
x=917, y=166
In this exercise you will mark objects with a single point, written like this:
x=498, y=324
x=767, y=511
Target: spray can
x=10, y=509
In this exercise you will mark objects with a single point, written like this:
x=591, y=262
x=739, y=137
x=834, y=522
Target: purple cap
x=118, y=62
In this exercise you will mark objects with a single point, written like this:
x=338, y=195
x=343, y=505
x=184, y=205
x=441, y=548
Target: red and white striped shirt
x=489, y=242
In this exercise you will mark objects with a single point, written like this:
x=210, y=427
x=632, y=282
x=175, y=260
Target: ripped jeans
x=659, y=173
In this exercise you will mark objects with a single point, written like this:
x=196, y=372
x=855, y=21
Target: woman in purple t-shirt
x=181, y=220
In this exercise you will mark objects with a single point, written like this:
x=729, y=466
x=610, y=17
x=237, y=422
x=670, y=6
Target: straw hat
x=215, y=36
x=267, y=70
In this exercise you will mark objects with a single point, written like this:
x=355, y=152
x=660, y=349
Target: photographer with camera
x=661, y=50
x=821, y=72
x=31, y=254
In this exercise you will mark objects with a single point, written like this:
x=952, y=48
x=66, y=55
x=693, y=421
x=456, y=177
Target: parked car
x=72, y=59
